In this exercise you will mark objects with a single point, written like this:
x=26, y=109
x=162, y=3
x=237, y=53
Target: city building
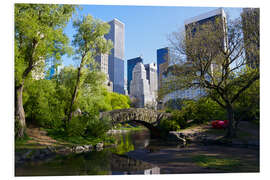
x=102, y=61
x=193, y=25
x=140, y=89
x=251, y=21
x=151, y=75
x=130, y=66
x=190, y=93
x=116, y=57
x=162, y=63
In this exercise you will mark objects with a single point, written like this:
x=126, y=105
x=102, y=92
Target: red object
x=218, y=124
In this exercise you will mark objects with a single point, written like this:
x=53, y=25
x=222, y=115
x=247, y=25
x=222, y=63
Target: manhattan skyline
x=146, y=27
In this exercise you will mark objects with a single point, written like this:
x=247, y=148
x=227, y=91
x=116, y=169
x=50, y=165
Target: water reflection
x=109, y=161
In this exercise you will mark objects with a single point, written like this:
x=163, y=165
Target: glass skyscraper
x=130, y=66
x=162, y=63
x=116, y=57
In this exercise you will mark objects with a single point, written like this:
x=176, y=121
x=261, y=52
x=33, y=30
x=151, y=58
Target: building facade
x=140, y=89
x=194, y=24
x=151, y=76
x=116, y=57
x=163, y=57
x=131, y=63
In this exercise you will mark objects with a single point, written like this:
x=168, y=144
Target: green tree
x=211, y=56
x=38, y=36
x=89, y=42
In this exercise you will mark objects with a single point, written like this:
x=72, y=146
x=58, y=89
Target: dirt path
x=40, y=137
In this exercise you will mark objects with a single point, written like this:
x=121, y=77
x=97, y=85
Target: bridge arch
x=146, y=117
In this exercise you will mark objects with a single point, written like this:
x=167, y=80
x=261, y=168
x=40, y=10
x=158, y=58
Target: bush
x=179, y=117
x=97, y=127
x=167, y=125
x=42, y=106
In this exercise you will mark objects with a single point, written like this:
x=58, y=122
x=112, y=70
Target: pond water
x=110, y=161
x=137, y=153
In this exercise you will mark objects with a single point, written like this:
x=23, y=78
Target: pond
x=110, y=161
x=137, y=153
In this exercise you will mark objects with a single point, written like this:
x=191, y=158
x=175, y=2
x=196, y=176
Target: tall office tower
x=139, y=87
x=162, y=63
x=194, y=24
x=151, y=75
x=131, y=63
x=116, y=57
x=251, y=30
x=102, y=60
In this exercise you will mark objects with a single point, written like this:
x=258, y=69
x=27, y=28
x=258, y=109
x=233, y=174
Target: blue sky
x=146, y=27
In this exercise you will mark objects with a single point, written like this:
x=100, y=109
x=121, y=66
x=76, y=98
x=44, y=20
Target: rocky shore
x=27, y=155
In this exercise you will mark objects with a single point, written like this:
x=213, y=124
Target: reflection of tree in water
x=108, y=161
x=124, y=144
x=93, y=163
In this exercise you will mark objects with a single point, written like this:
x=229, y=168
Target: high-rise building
x=139, y=87
x=162, y=63
x=193, y=25
x=102, y=61
x=151, y=75
x=251, y=30
x=131, y=63
x=116, y=57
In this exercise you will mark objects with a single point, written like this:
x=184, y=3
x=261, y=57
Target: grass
x=227, y=164
x=79, y=140
x=129, y=127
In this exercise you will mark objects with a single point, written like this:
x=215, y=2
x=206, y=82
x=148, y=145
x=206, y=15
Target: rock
x=79, y=149
x=99, y=145
x=88, y=147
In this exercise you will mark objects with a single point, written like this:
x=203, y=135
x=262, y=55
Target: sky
x=146, y=27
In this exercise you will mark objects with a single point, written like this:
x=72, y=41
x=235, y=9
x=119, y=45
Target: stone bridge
x=146, y=117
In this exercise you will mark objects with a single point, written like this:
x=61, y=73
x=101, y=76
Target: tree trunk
x=231, y=130
x=19, y=111
x=74, y=95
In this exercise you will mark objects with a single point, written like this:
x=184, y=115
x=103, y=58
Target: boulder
x=88, y=147
x=99, y=145
x=79, y=149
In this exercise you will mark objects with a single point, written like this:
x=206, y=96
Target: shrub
x=179, y=117
x=96, y=127
x=167, y=125
x=42, y=106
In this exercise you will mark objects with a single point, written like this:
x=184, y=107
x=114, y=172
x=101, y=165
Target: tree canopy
x=213, y=58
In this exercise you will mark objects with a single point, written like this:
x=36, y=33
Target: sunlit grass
x=216, y=162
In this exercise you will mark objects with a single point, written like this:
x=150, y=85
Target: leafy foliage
x=213, y=59
x=43, y=106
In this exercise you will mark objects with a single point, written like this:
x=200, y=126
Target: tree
x=38, y=36
x=211, y=56
x=89, y=42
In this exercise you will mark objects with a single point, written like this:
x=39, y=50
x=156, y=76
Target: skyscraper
x=102, y=60
x=139, y=87
x=116, y=57
x=151, y=75
x=162, y=63
x=131, y=63
x=194, y=24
